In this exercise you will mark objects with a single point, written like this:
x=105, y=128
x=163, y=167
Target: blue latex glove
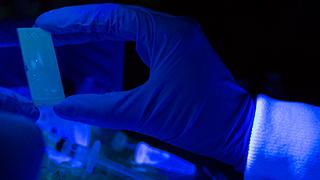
x=21, y=143
x=190, y=99
x=10, y=102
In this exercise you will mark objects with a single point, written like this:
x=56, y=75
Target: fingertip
x=42, y=21
x=62, y=110
x=49, y=21
x=39, y=20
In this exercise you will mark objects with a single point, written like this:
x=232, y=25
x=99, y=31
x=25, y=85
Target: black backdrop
x=271, y=46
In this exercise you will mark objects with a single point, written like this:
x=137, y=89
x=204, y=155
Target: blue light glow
x=145, y=154
x=82, y=134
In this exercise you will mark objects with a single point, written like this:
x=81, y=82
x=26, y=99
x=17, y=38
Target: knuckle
x=190, y=26
x=191, y=23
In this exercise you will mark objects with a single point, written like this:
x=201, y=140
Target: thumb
x=112, y=110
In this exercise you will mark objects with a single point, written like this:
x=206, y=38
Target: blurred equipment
x=91, y=153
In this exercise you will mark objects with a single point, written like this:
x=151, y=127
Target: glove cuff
x=285, y=141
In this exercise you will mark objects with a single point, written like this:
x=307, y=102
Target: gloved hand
x=190, y=100
x=22, y=146
x=10, y=102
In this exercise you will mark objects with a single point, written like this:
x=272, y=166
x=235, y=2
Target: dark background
x=271, y=46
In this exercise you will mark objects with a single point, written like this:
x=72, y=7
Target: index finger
x=96, y=22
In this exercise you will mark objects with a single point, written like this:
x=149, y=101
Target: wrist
x=285, y=140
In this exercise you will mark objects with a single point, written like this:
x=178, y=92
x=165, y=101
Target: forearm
x=285, y=141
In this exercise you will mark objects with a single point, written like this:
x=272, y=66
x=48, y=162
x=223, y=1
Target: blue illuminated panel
x=41, y=66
